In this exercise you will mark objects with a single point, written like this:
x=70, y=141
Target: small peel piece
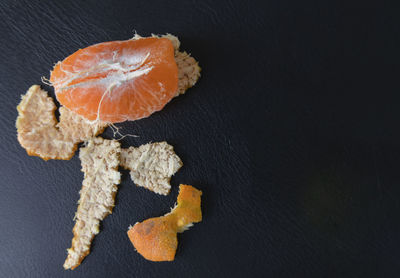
x=152, y=165
x=78, y=128
x=188, y=67
x=188, y=71
x=156, y=238
x=100, y=160
x=40, y=134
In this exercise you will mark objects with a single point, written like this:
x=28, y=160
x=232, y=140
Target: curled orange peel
x=156, y=238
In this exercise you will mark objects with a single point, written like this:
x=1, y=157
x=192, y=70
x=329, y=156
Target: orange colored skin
x=83, y=78
x=188, y=209
x=156, y=238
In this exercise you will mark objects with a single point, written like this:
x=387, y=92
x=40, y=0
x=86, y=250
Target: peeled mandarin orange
x=119, y=80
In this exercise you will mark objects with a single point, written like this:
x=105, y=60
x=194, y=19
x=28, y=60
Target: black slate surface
x=291, y=133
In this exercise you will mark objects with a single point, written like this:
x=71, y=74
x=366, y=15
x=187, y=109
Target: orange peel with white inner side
x=156, y=238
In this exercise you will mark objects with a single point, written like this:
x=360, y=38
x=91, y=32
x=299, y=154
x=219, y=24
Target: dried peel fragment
x=188, y=71
x=100, y=160
x=152, y=165
x=78, y=128
x=156, y=238
x=41, y=135
x=188, y=67
x=36, y=127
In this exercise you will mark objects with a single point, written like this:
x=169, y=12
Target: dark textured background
x=292, y=133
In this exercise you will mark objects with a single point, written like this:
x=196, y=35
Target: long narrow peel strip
x=100, y=160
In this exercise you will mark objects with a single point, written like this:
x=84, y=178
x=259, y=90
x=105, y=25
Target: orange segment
x=118, y=81
x=156, y=238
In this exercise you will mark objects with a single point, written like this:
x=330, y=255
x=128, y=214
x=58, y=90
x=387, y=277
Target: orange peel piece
x=188, y=71
x=100, y=160
x=188, y=67
x=152, y=165
x=40, y=134
x=77, y=128
x=156, y=238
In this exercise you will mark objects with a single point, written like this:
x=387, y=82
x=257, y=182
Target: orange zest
x=156, y=238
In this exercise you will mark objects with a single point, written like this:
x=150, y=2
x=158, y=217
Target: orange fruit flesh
x=156, y=238
x=119, y=80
